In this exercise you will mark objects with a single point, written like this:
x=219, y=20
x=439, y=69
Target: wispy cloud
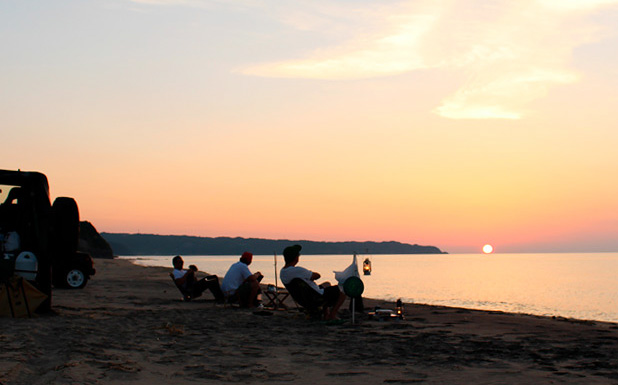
x=380, y=54
x=512, y=52
x=389, y=46
x=162, y=2
x=502, y=95
x=203, y=4
x=575, y=5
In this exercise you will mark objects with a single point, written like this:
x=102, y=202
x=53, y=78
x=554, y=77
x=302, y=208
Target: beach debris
x=67, y=365
x=174, y=329
x=126, y=366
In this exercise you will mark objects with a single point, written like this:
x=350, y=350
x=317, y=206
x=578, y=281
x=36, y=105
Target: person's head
x=178, y=262
x=291, y=253
x=246, y=258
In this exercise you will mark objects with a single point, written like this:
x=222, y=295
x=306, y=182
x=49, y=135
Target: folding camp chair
x=310, y=300
x=186, y=295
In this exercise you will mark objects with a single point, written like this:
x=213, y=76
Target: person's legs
x=253, y=295
x=247, y=293
x=211, y=283
x=194, y=287
x=334, y=298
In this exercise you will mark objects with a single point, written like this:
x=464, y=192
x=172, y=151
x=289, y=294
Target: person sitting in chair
x=190, y=285
x=239, y=283
x=332, y=296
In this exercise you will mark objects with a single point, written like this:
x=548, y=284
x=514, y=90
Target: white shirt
x=179, y=273
x=287, y=274
x=235, y=276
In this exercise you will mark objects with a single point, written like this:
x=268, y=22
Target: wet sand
x=129, y=326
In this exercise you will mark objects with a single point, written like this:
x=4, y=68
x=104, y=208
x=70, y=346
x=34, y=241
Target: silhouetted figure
x=240, y=284
x=186, y=280
x=332, y=297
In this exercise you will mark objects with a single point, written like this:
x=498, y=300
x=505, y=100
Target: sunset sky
x=445, y=123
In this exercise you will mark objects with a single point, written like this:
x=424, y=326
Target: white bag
x=350, y=271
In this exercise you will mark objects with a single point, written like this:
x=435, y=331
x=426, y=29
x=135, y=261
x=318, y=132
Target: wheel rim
x=75, y=278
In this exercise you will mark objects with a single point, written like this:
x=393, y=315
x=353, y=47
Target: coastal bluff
x=91, y=242
x=152, y=244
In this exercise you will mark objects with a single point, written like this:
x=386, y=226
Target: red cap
x=246, y=256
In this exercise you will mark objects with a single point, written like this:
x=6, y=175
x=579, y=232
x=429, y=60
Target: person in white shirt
x=186, y=280
x=333, y=297
x=240, y=284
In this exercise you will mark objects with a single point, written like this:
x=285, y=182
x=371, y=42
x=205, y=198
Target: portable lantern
x=367, y=267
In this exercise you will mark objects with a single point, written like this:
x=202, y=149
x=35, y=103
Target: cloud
x=501, y=96
x=202, y=4
x=511, y=52
x=162, y=2
x=575, y=5
x=379, y=54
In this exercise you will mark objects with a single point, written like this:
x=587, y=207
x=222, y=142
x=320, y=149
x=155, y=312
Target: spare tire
x=65, y=227
x=75, y=278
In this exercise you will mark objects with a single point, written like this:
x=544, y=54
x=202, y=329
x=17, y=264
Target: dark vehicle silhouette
x=30, y=223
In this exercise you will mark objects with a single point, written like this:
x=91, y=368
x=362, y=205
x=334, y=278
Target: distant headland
x=152, y=244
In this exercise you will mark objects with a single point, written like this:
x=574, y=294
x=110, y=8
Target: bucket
x=26, y=265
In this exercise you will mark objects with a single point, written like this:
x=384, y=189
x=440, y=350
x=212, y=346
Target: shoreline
x=129, y=326
x=581, y=303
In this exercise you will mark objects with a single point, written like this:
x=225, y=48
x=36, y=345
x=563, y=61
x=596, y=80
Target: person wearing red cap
x=239, y=283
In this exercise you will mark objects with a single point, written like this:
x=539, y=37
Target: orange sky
x=447, y=123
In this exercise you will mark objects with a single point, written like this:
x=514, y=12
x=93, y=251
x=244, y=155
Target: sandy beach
x=129, y=326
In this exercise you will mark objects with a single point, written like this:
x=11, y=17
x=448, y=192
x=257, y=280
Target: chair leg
x=228, y=299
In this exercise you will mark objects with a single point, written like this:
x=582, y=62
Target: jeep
x=30, y=224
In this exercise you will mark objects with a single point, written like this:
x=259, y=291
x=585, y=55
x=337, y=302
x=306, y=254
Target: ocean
x=572, y=285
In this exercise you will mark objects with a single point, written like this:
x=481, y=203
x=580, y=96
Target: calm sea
x=582, y=286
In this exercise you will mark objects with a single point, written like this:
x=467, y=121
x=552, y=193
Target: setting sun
x=488, y=249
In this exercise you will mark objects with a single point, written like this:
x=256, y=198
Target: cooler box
x=26, y=265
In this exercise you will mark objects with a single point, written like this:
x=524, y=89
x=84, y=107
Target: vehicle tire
x=75, y=279
x=65, y=226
